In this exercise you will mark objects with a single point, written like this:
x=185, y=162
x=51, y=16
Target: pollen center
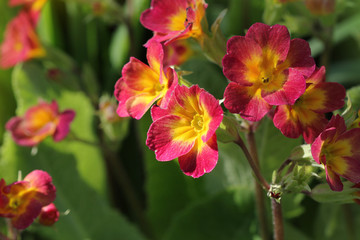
x=159, y=87
x=197, y=123
x=14, y=203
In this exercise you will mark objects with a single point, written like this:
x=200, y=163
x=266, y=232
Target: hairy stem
x=259, y=194
x=277, y=220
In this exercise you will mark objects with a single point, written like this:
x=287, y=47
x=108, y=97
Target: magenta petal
x=211, y=105
x=158, y=17
x=338, y=123
x=353, y=169
x=202, y=160
x=172, y=84
x=288, y=126
x=160, y=138
x=333, y=180
x=316, y=147
x=45, y=190
x=335, y=95
x=63, y=126
x=299, y=57
x=24, y=220
x=293, y=88
x=237, y=100
x=310, y=132
x=239, y=50
x=275, y=37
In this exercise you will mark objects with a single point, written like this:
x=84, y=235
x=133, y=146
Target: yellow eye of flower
x=197, y=123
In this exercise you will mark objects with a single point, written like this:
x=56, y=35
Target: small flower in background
x=49, y=215
x=265, y=68
x=22, y=201
x=21, y=42
x=338, y=150
x=320, y=7
x=39, y=122
x=107, y=109
x=186, y=130
x=175, y=19
x=141, y=85
x=177, y=52
x=33, y=7
x=307, y=115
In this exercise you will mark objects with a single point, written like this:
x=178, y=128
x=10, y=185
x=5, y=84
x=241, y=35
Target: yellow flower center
x=15, y=202
x=197, y=123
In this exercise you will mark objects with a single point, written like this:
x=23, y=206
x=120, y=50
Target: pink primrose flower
x=22, y=201
x=307, y=115
x=186, y=130
x=20, y=43
x=177, y=52
x=265, y=68
x=39, y=122
x=174, y=19
x=49, y=215
x=338, y=150
x=141, y=85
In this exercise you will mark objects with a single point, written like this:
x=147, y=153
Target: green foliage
x=77, y=168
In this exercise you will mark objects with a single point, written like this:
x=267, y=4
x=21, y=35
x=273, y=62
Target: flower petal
x=292, y=89
x=276, y=38
x=201, y=159
x=333, y=180
x=242, y=100
x=241, y=60
x=170, y=137
x=63, y=127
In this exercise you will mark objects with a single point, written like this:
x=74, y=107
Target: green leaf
x=30, y=85
x=323, y=194
x=227, y=215
x=119, y=47
x=354, y=95
x=207, y=75
x=77, y=168
x=166, y=186
x=273, y=147
x=73, y=193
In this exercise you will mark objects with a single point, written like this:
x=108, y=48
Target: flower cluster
x=40, y=121
x=21, y=42
x=23, y=201
x=270, y=74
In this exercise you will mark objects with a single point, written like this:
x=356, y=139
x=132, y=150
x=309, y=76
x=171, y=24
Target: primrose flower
x=320, y=7
x=338, y=150
x=175, y=19
x=141, y=85
x=39, y=122
x=49, y=215
x=186, y=130
x=22, y=201
x=307, y=115
x=177, y=52
x=21, y=42
x=265, y=68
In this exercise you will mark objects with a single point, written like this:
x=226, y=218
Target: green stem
x=277, y=220
x=13, y=233
x=260, y=201
x=122, y=178
x=349, y=219
x=72, y=137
